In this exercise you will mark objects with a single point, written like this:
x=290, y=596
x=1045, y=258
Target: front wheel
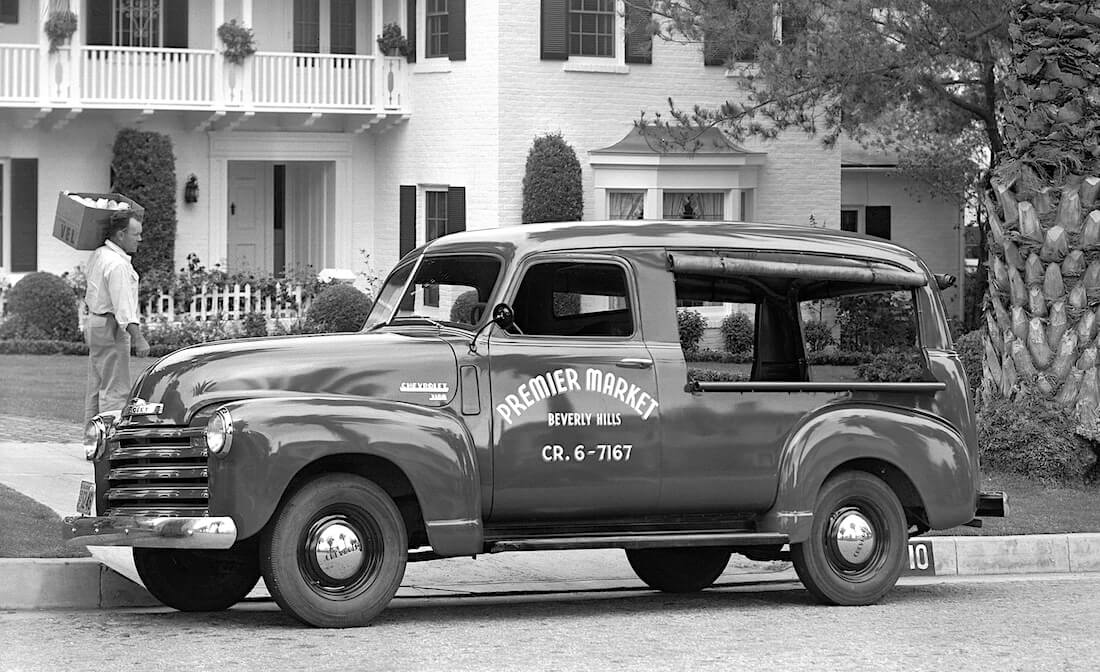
x=856, y=549
x=335, y=553
x=199, y=580
x=679, y=570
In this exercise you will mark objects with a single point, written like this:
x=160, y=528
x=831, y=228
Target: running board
x=633, y=541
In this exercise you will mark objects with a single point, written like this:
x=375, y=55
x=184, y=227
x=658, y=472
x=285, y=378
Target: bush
x=185, y=332
x=691, y=325
x=552, y=182
x=818, y=335
x=42, y=347
x=462, y=307
x=1033, y=439
x=715, y=376
x=895, y=365
x=971, y=351
x=737, y=333
x=339, y=308
x=43, y=306
x=876, y=322
x=254, y=325
x=144, y=169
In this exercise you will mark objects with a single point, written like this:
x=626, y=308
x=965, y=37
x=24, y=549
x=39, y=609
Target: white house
x=320, y=147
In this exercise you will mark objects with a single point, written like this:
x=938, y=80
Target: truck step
x=648, y=540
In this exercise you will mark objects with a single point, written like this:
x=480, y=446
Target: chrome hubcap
x=339, y=551
x=854, y=537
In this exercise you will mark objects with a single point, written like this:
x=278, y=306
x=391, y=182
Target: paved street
x=1010, y=623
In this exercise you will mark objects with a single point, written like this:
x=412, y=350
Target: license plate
x=84, y=498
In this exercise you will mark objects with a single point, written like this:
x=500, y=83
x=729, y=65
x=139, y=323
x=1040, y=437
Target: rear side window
x=574, y=299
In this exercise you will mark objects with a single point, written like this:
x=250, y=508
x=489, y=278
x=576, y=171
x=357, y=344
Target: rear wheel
x=201, y=579
x=335, y=553
x=679, y=570
x=856, y=549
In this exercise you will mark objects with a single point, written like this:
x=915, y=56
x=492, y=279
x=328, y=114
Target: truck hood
x=418, y=368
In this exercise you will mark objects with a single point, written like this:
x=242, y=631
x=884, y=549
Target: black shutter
x=410, y=18
x=554, y=30
x=456, y=209
x=876, y=221
x=407, y=236
x=97, y=22
x=24, y=215
x=456, y=24
x=175, y=24
x=9, y=11
x=639, y=39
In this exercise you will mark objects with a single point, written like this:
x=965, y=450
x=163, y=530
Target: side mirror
x=945, y=280
x=503, y=316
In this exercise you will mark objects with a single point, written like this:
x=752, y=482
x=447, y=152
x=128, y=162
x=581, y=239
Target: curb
x=84, y=583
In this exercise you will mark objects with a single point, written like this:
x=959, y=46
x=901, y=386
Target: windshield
x=448, y=289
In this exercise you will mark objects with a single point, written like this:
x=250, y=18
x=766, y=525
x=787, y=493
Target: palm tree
x=1043, y=309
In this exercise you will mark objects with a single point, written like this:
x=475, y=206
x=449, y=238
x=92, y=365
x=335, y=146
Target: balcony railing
x=196, y=79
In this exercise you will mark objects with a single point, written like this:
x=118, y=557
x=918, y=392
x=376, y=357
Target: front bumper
x=149, y=532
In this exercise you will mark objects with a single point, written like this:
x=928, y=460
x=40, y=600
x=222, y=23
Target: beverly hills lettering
x=560, y=381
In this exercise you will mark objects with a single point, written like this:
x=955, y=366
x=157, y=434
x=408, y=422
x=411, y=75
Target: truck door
x=575, y=408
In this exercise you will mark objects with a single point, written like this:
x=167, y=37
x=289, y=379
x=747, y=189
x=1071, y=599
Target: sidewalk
x=50, y=472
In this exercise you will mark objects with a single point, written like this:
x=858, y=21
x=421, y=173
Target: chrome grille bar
x=158, y=472
x=151, y=473
x=155, y=492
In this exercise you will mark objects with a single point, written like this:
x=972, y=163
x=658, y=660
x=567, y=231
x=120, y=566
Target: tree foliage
x=144, y=169
x=552, y=189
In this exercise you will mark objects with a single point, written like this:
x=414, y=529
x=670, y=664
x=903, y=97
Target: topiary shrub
x=818, y=335
x=144, y=169
x=1033, y=439
x=42, y=305
x=691, y=325
x=339, y=308
x=461, y=309
x=971, y=350
x=737, y=333
x=552, y=182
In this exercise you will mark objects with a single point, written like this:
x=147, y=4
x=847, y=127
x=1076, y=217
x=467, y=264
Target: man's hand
x=141, y=346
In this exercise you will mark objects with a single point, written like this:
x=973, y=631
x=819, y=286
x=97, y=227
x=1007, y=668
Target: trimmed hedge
x=42, y=306
x=895, y=365
x=1033, y=439
x=144, y=169
x=339, y=308
x=552, y=189
x=691, y=325
x=737, y=332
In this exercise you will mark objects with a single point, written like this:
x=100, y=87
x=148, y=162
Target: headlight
x=219, y=432
x=95, y=435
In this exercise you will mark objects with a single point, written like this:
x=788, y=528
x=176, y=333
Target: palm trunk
x=1042, y=312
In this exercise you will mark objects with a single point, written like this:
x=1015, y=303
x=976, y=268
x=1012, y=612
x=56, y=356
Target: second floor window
x=592, y=27
x=137, y=23
x=438, y=30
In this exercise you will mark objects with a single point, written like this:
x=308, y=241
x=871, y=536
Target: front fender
x=928, y=451
x=275, y=439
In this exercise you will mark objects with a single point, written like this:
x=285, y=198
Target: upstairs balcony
x=54, y=87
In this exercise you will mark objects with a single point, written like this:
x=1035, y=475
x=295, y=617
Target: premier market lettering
x=560, y=381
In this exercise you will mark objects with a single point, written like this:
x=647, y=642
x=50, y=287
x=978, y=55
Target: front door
x=576, y=419
x=251, y=239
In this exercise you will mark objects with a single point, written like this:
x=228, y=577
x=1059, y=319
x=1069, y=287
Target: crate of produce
x=81, y=217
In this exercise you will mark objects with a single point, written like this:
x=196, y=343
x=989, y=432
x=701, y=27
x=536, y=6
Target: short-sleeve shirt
x=112, y=284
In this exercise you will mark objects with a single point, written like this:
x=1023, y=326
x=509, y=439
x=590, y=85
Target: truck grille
x=158, y=472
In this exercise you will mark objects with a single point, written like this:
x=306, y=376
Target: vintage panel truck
x=525, y=388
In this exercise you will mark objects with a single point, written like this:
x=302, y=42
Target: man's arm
x=124, y=298
x=141, y=346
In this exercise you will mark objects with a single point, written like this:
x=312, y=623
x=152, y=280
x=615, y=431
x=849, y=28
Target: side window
x=717, y=321
x=868, y=336
x=574, y=299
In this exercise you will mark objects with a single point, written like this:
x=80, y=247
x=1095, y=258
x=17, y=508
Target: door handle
x=635, y=363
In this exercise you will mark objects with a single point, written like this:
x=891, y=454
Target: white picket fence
x=230, y=303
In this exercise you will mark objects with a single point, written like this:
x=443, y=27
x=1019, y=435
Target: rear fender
x=928, y=451
x=274, y=440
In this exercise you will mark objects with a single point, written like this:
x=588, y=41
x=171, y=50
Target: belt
x=104, y=314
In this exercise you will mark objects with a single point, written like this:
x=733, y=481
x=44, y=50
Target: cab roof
x=520, y=240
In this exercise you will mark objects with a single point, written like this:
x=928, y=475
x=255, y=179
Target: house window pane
x=307, y=26
x=693, y=205
x=137, y=23
x=437, y=28
x=343, y=26
x=592, y=27
x=877, y=221
x=626, y=205
x=849, y=220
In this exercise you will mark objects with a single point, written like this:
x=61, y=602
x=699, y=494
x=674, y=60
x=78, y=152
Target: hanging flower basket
x=238, y=41
x=392, y=42
x=59, y=27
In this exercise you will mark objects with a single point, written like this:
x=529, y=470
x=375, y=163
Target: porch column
x=76, y=49
x=218, y=235
x=219, y=61
x=45, y=72
x=377, y=75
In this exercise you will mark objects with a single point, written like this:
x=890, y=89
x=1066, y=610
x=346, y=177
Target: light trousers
x=108, y=386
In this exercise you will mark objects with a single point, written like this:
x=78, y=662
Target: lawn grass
x=31, y=530
x=50, y=388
